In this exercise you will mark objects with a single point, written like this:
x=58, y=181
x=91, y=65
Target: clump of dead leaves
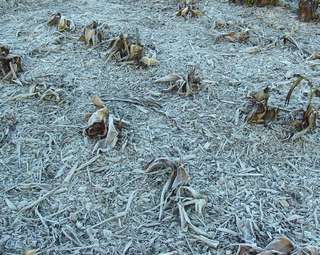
x=188, y=8
x=130, y=50
x=62, y=23
x=103, y=126
x=10, y=64
x=185, y=85
x=305, y=119
x=93, y=34
x=257, y=109
x=279, y=246
x=177, y=193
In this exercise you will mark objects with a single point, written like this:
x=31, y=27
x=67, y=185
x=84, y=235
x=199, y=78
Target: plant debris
x=189, y=8
x=92, y=34
x=62, y=23
x=240, y=37
x=308, y=10
x=259, y=3
x=10, y=64
x=281, y=246
x=181, y=196
x=130, y=50
x=307, y=120
x=257, y=109
x=185, y=85
x=103, y=126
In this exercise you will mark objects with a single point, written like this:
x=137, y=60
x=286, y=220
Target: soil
x=249, y=172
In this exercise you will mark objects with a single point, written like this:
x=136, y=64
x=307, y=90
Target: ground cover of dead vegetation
x=159, y=127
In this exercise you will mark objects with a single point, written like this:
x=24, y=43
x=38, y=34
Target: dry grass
x=108, y=205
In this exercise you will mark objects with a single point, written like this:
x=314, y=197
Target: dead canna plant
x=130, y=50
x=257, y=109
x=308, y=10
x=177, y=193
x=306, y=121
x=10, y=64
x=62, y=23
x=93, y=34
x=185, y=85
x=178, y=176
x=102, y=126
x=188, y=8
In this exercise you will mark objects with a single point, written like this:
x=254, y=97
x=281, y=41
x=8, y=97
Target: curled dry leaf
x=184, y=85
x=10, y=64
x=92, y=35
x=241, y=37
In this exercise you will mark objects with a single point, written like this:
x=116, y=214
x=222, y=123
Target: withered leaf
x=112, y=135
x=282, y=245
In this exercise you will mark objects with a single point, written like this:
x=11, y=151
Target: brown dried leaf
x=282, y=245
